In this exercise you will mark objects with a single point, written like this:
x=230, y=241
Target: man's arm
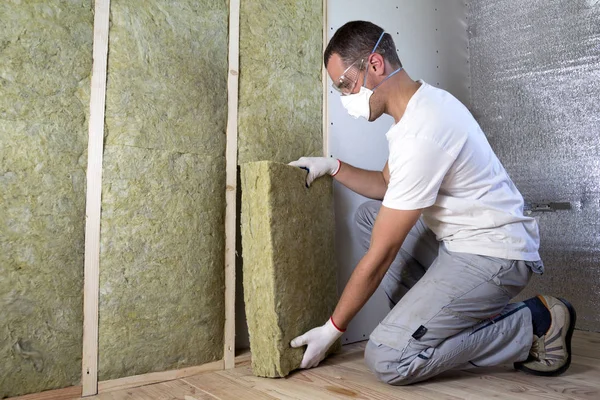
x=371, y=184
x=390, y=229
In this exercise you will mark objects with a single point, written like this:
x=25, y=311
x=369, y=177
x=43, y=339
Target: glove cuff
x=336, y=168
x=335, y=326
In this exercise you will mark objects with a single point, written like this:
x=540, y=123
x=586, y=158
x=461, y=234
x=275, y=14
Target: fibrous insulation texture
x=45, y=65
x=535, y=69
x=162, y=225
x=289, y=268
x=280, y=87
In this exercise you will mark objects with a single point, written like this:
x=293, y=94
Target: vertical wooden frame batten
x=231, y=154
x=324, y=79
x=89, y=373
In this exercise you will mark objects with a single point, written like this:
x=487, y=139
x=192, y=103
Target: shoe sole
x=561, y=370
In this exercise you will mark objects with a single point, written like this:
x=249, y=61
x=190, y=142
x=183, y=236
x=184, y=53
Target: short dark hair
x=356, y=39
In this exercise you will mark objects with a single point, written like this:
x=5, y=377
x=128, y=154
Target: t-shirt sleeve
x=417, y=170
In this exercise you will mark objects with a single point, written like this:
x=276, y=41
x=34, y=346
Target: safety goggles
x=347, y=82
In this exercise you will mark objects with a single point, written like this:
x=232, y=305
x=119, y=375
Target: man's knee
x=383, y=361
x=366, y=213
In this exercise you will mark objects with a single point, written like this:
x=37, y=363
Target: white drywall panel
x=432, y=43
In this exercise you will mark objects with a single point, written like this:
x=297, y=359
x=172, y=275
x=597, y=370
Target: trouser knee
x=366, y=213
x=383, y=361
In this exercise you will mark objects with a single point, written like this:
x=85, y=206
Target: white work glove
x=317, y=167
x=318, y=341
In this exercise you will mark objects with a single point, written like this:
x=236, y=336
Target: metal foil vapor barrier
x=535, y=90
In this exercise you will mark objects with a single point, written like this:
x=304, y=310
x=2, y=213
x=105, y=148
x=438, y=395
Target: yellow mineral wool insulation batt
x=289, y=267
x=163, y=195
x=45, y=67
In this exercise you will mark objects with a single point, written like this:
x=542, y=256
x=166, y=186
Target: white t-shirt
x=441, y=161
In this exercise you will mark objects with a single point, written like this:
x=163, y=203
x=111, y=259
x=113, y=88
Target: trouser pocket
x=513, y=280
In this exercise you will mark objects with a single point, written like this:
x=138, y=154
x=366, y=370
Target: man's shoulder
x=429, y=136
x=439, y=108
x=438, y=118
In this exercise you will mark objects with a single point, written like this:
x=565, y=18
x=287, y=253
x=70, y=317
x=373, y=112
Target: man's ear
x=377, y=64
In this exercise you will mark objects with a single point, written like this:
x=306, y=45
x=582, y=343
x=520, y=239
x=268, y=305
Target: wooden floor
x=345, y=376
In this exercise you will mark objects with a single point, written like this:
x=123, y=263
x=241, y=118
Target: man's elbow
x=383, y=185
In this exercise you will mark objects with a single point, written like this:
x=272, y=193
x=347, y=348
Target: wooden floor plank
x=70, y=393
x=510, y=388
x=223, y=388
x=569, y=384
x=172, y=390
x=294, y=387
x=361, y=382
x=586, y=344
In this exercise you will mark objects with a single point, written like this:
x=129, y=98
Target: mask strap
x=388, y=77
x=373, y=51
x=378, y=41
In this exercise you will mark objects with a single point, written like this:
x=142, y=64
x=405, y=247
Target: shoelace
x=539, y=351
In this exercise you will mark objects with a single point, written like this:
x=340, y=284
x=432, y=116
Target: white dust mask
x=357, y=104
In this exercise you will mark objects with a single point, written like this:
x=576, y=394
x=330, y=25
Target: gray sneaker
x=550, y=354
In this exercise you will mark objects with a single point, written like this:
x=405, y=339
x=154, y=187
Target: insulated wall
x=535, y=67
x=162, y=225
x=45, y=65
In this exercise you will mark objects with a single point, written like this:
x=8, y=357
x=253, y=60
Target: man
x=449, y=241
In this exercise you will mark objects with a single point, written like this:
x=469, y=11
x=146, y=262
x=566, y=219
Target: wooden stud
x=129, y=382
x=324, y=80
x=89, y=374
x=231, y=182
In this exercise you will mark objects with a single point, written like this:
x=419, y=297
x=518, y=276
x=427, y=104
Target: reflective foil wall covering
x=535, y=90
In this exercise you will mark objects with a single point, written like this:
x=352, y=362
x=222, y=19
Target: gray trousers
x=449, y=310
